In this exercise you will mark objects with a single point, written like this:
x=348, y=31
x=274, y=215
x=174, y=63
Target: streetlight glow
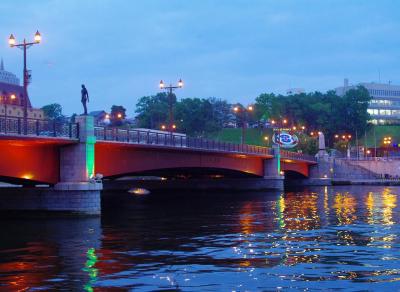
x=119, y=115
x=180, y=83
x=38, y=37
x=250, y=108
x=161, y=84
x=12, y=96
x=236, y=109
x=11, y=40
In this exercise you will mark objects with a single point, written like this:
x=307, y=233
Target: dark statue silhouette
x=85, y=98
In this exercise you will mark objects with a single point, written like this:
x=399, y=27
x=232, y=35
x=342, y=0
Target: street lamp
x=279, y=126
x=24, y=46
x=170, y=89
x=387, y=141
x=266, y=139
x=346, y=138
x=243, y=111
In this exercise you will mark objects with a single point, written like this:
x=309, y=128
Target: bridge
x=120, y=152
x=68, y=155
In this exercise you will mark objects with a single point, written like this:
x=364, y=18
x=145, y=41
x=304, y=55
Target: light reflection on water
x=316, y=239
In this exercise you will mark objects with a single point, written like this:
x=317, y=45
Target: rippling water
x=343, y=238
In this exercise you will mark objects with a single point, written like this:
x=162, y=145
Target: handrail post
x=19, y=127
x=70, y=130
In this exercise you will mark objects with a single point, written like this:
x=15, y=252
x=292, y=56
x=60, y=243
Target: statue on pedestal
x=84, y=98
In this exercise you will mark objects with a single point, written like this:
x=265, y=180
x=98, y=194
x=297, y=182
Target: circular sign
x=285, y=140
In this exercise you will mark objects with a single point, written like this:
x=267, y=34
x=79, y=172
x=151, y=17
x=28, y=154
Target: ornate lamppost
x=24, y=46
x=243, y=111
x=170, y=89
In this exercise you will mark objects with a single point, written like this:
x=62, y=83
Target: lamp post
x=387, y=141
x=266, y=139
x=346, y=138
x=24, y=46
x=278, y=126
x=170, y=90
x=243, y=111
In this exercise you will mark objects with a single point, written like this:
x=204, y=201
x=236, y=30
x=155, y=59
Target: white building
x=384, y=107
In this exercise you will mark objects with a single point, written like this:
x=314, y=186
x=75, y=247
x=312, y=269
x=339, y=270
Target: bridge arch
x=114, y=160
x=299, y=167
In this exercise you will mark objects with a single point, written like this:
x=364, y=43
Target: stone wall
x=48, y=199
x=382, y=167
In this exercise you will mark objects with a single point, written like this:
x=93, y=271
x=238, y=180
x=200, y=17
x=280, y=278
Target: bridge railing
x=174, y=140
x=38, y=127
x=297, y=156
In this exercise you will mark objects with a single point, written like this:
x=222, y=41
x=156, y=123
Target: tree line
x=326, y=112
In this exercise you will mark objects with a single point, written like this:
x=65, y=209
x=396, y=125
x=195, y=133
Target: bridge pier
x=77, y=170
x=272, y=171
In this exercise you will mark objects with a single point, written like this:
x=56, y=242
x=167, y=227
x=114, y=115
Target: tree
x=153, y=111
x=53, y=111
x=195, y=116
x=118, y=114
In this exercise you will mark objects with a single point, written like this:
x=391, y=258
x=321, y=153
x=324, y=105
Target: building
x=12, y=97
x=384, y=107
x=100, y=117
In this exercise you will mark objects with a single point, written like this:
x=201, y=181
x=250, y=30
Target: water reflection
x=342, y=237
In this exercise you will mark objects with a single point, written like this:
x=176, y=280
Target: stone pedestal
x=77, y=160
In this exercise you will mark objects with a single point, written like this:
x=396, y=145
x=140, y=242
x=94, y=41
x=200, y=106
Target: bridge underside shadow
x=290, y=174
x=188, y=173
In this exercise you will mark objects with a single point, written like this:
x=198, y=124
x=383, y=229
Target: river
x=307, y=239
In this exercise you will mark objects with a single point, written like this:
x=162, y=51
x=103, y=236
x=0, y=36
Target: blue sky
x=224, y=48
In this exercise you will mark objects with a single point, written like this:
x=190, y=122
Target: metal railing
x=37, y=127
x=174, y=140
x=297, y=156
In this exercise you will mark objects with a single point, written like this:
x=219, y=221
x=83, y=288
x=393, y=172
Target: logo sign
x=285, y=139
